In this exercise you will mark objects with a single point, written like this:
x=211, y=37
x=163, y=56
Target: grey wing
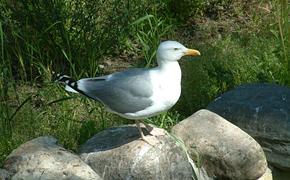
x=123, y=92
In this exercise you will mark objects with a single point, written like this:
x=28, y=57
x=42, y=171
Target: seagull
x=137, y=93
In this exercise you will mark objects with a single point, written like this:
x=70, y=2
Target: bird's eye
x=175, y=49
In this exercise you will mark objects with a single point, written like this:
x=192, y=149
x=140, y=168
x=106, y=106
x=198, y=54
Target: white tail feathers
x=69, y=89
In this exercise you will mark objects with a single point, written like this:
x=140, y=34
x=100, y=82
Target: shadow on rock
x=119, y=153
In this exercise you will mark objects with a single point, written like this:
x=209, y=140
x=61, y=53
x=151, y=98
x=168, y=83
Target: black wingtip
x=66, y=80
x=62, y=78
x=56, y=76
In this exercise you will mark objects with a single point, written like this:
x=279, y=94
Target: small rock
x=101, y=66
x=118, y=153
x=263, y=111
x=224, y=150
x=42, y=158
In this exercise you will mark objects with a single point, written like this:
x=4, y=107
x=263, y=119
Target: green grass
x=32, y=111
x=150, y=30
x=239, y=44
x=227, y=63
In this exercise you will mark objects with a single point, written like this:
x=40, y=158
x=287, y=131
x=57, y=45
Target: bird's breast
x=166, y=91
x=169, y=93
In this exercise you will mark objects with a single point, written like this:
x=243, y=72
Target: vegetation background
x=240, y=41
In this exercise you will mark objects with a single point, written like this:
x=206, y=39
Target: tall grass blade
x=19, y=107
x=142, y=19
x=61, y=99
x=2, y=42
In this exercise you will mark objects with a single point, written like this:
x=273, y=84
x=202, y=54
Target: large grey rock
x=43, y=158
x=263, y=111
x=224, y=150
x=118, y=153
x=199, y=172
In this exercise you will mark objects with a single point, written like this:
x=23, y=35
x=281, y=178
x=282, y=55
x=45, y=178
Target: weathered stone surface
x=118, y=153
x=267, y=175
x=4, y=174
x=200, y=173
x=263, y=111
x=42, y=158
x=226, y=151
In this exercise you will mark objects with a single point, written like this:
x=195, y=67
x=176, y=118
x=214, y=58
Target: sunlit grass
x=33, y=112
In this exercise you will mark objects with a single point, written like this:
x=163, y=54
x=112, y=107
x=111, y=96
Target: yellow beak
x=192, y=52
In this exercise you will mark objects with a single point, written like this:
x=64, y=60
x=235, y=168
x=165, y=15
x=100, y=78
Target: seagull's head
x=173, y=51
